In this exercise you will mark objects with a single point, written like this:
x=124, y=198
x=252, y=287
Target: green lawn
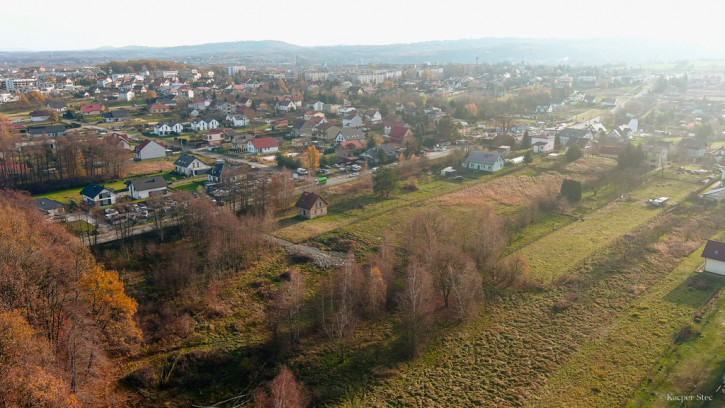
x=190, y=187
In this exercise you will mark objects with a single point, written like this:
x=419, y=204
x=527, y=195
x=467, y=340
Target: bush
x=572, y=190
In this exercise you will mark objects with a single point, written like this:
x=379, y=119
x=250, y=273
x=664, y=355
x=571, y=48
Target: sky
x=35, y=25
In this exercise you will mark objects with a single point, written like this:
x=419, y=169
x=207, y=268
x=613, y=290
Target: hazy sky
x=73, y=24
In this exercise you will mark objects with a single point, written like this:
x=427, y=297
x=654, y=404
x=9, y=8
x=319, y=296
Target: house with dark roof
x=352, y=120
x=50, y=208
x=310, y=205
x=39, y=116
x=97, y=195
x=262, y=145
x=150, y=150
x=49, y=131
x=714, y=254
x=189, y=165
x=147, y=187
x=119, y=115
x=380, y=154
x=566, y=134
x=480, y=160
x=163, y=129
x=57, y=106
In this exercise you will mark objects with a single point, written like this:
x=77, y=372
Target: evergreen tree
x=572, y=190
x=526, y=140
x=573, y=153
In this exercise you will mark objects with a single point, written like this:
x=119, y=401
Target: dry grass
x=591, y=166
x=509, y=190
x=149, y=167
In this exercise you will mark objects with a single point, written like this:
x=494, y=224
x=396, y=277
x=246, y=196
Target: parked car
x=355, y=167
x=352, y=175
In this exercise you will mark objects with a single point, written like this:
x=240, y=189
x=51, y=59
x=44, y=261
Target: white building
x=163, y=129
x=204, y=124
x=542, y=143
x=140, y=189
x=238, y=120
x=714, y=254
x=150, y=150
x=126, y=96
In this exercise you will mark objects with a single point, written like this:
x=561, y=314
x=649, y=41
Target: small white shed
x=714, y=254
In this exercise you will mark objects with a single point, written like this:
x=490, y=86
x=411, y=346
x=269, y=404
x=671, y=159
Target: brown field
x=509, y=190
x=149, y=167
x=591, y=166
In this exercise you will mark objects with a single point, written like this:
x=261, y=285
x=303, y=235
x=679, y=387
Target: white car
x=352, y=175
x=355, y=167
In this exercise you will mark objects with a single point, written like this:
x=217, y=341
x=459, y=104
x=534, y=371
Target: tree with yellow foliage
x=313, y=158
x=111, y=308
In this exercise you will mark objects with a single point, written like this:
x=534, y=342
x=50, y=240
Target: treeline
x=124, y=67
x=63, y=317
x=43, y=163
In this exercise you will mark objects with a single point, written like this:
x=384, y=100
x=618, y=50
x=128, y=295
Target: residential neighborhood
x=300, y=214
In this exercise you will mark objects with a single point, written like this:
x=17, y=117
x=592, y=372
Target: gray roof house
x=97, y=195
x=147, y=187
x=480, y=160
x=189, y=165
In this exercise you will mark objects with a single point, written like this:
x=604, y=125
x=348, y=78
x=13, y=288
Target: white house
x=204, y=124
x=542, y=143
x=262, y=145
x=214, y=137
x=126, y=95
x=285, y=106
x=352, y=120
x=163, y=129
x=201, y=104
x=344, y=110
x=97, y=195
x=480, y=160
x=318, y=106
x=150, y=150
x=714, y=254
x=147, y=187
x=190, y=166
x=238, y=120
x=349, y=134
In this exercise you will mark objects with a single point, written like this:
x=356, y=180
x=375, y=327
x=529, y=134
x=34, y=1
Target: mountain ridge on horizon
x=583, y=51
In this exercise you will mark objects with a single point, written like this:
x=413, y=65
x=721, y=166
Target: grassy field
x=605, y=370
x=74, y=194
x=552, y=256
x=706, y=347
x=548, y=348
x=362, y=207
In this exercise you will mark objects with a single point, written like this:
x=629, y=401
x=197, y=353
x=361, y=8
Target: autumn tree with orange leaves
x=62, y=317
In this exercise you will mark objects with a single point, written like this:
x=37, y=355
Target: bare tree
x=291, y=296
x=415, y=303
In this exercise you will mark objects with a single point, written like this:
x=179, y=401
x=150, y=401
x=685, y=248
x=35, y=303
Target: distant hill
x=534, y=50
